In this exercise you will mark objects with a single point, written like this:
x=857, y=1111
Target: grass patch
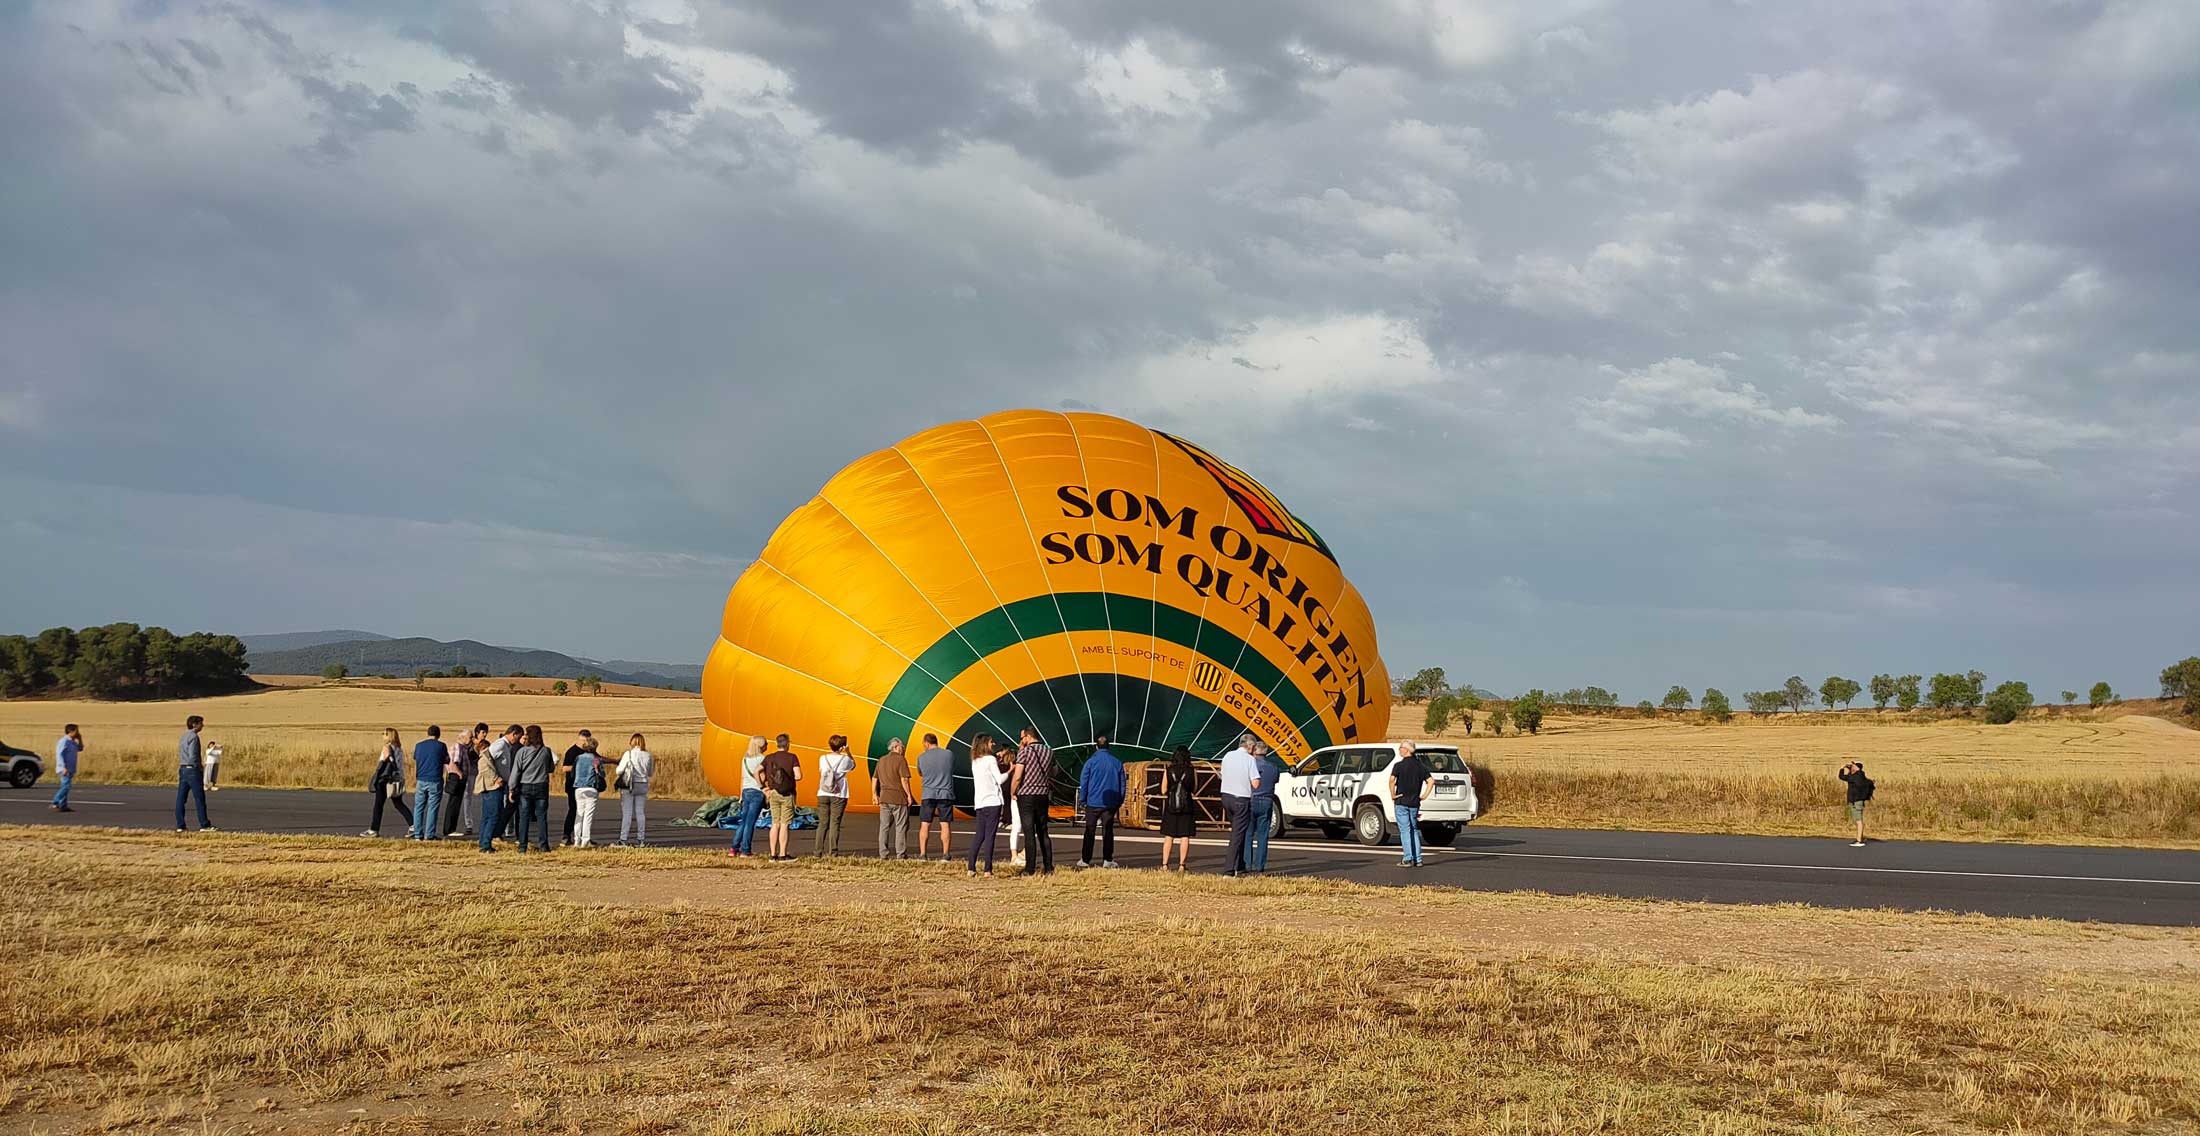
x=234, y=983
x=2158, y=811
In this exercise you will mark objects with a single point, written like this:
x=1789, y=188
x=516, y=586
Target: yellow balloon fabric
x=1077, y=573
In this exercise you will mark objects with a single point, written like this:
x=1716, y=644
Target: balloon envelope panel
x=1077, y=573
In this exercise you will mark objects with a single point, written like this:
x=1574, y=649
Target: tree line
x=589, y=683
x=120, y=660
x=1946, y=692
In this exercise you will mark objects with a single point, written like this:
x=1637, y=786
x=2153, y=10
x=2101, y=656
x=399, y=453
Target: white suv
x=1346, y=789
x=23, y=766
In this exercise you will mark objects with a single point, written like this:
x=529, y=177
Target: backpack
x=1180, y=795
x=781, y=779
x=1869, y=786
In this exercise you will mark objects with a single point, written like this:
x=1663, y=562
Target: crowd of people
x=488, y=785
x=1012, y=787
x=498, y=785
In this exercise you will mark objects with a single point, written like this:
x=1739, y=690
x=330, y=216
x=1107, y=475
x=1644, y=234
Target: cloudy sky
x=1687, y=342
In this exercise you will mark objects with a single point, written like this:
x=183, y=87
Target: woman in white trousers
x=635, y=767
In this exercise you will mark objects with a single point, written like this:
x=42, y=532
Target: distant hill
x=669, y=670
x=293, y=640
x=402, y=657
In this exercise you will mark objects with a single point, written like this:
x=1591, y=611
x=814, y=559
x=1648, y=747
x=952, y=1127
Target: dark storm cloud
x=352, y=111
x=1707, y=346
x=921, y=80
x=564, y=59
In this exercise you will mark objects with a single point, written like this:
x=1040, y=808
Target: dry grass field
x=201, y=985
x=327, y=737
x=2114, y=777
x=467, y=685
x=2112, y=745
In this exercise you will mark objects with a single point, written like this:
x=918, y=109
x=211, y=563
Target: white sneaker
x=371, y=834
x=1109, y=864
x=1856, y=844
x=1082, y=864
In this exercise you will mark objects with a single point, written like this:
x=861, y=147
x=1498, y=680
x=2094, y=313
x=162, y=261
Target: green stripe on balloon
x=1036, y=618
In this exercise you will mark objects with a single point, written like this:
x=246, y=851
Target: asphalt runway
x=2115, y=885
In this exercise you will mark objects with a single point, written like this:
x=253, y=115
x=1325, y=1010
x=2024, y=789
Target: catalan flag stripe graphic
x=1260, y=506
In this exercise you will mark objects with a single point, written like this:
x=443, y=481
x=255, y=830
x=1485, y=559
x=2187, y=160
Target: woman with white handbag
x=635, y=767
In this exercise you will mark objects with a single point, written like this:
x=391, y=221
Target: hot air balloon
x=1076, y=573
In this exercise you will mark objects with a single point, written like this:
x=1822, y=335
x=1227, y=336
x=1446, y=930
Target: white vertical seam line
x=835, y=609
x=985, y=579
x=1115, y=672
x=1200, y=628
x=813, y=678
x=951, y=627
x=1045, y=577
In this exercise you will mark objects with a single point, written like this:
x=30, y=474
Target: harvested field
x=482, y=685
x=327, y=737
x=671, y=992
x=2111, y=778
x=2111, y=745
x=2080, y=777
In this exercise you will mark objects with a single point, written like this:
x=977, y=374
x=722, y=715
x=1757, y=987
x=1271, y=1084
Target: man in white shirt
x=1240, y=776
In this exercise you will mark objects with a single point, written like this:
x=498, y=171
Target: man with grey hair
x=1241, y=778
x=1409, y=777
x=890, y=778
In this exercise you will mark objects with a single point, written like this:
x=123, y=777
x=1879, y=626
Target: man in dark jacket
x=530, y=779
x=501, y=752
x=1860, y=794
x=1264, y=807
x=1100, y=786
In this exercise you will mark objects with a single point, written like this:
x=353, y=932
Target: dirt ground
x=2011, y=954
x=245, y=984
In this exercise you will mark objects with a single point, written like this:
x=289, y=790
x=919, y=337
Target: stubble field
x=2112, y=777
x=2108, y=778
x=328, y=737
x=202, y=984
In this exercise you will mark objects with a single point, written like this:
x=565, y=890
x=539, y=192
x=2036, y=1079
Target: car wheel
x=1368, y=824
x=1277, y=826
x=1439, y=835
x=1336, y=830
x=23, y=776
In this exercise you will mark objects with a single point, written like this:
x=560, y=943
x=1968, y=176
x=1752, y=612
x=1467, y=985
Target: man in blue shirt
x=1240, y=778
x=1101, y=788
x=1269, y=771
x=190, y=773
x=428, y=759
x=64, y=764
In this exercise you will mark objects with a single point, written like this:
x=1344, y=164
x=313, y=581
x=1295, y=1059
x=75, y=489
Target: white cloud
x=1454, y=151
x=19, y=409
x=1134, y=79
x=620, y=268
x=1279, y=363
x=1806, y=122
x=1691, y=389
